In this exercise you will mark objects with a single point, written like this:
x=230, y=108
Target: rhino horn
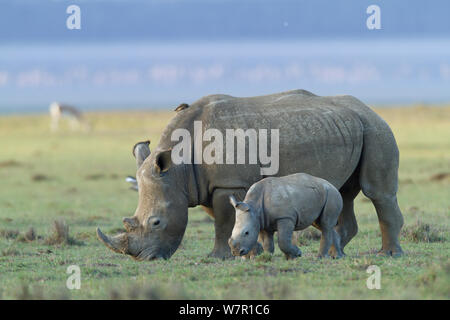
x=117, y=243
x=141, y=151
x=130, y=224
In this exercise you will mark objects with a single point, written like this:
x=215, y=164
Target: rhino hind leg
x=391, y=222
x=338, y=253
x=325, y=242
x=379, y=182
x=327, y=222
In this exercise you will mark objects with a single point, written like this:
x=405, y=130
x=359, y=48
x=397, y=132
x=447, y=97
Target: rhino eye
x=246, y=233
x=156, y=222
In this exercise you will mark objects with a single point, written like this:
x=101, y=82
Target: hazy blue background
x=157, y=54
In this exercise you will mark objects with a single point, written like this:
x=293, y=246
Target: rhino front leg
x=266, y=238
x=285, y=229
x=223, y=221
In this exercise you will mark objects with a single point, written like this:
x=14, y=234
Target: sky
x=156, y=54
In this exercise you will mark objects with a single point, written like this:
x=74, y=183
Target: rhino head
x=246, y=228
x=158, y=225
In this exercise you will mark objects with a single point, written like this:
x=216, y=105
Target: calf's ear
x=141, y=151
x=233, y=201
x=243, y=206
x=163, y=161
x=239, y=205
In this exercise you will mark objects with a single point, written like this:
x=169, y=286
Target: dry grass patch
x=423, y=232
x=9, y=234
x=60, y=235
x=9, y=251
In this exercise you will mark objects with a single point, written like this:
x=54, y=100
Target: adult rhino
x=335, y=138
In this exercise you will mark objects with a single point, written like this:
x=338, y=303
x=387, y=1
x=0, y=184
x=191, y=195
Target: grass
x=77, y=179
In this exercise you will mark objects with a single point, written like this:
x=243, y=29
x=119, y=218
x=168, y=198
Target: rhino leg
x=327, y=222
x=209, y=211
x=266, y=238
x=337, y=245
x=285, y=228
x=379, y=182
x=391, y=222
x=325, y=242
x=223, y=221
x=347, y=226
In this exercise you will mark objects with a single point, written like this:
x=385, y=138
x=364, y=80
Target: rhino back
x=316, y=135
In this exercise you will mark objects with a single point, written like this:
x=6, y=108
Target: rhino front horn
x=117, y=243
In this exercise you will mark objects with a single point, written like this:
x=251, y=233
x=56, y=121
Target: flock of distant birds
x=77, y=121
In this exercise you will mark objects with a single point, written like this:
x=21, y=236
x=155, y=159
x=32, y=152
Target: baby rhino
x=285, y=204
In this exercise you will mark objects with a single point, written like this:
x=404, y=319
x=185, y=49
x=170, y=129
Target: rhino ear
x=141, y=151
x=233, y=201
x=163, y=161
x=239, y=205
x=243, y=206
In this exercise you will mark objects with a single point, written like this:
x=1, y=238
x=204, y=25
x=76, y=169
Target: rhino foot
x=333, y=252
x=221, y=254
x=390, y=253
x=336, y=254
x=296, y=254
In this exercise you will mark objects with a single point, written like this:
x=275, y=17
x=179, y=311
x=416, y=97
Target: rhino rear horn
x=130, y=224
x=141, y=151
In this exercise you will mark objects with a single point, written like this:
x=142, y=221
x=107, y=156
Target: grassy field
x=78, y=178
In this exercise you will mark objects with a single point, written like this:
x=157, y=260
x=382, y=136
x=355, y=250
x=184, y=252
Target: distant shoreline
x=124, y=110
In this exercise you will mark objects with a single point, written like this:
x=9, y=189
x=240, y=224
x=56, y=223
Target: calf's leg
x=285, y=229
x=266, y=238
x=325, y=241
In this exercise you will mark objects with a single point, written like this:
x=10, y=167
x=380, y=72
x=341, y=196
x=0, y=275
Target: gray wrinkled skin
x=285, y=204
x=335, y=138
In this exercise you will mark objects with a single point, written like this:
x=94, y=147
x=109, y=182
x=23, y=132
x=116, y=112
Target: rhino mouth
x=150, y=254
x=238, y=251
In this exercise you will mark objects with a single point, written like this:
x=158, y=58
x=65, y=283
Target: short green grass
x=78, y=178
